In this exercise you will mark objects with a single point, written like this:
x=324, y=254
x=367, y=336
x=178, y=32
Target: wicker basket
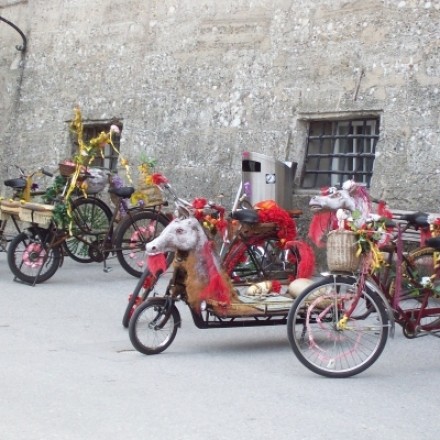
x=150, y=195
x=8, y=207
x=36, y=213
x=341, y=251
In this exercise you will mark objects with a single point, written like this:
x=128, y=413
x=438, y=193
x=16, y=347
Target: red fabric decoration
x=156, y=263
x=270, y=212
x=221, y=225
x=306, y=263
x=276, y=286
x=198, y=204
x=321, y=223
x=217, y=289
x=383, y=211
x=149, y=280
x=424, y=235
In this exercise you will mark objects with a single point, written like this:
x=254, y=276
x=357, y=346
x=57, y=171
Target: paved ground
x=68, y=371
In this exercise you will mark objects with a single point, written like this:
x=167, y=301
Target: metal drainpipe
x=21, y=48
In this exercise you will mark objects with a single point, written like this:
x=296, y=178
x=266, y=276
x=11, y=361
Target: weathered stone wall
x=197, y=82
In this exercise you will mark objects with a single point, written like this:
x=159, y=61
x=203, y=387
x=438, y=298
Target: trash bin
x=265, y=178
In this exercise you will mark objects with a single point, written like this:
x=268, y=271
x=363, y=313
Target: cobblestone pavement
x=68, y=371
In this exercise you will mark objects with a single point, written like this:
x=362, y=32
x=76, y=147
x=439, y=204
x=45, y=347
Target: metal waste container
x=265, y=178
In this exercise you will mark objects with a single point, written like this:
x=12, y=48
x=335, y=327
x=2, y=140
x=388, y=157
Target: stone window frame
x=338, y=149
x=93, y=128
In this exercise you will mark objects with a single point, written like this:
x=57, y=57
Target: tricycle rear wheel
x=153, y=326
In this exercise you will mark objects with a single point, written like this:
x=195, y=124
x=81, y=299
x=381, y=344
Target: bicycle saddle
x=417, y=219
x=245, y=216
x=124, y=192
x=433, y=242
x=15, y=183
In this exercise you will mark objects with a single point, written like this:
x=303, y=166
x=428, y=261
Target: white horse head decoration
x=353, y=198
x=205, y=279
x=183, y=234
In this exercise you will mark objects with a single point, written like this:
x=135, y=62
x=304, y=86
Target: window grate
x=340, y=150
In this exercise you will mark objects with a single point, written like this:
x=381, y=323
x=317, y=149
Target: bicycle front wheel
x=91, y=219
x=335, y=330
x=153, y=326
x=29, y=258
x=131, y=236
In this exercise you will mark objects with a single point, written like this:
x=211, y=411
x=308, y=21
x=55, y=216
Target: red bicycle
x=260, y=246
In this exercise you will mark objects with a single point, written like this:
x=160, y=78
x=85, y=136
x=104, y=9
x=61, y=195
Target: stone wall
x=197, y=82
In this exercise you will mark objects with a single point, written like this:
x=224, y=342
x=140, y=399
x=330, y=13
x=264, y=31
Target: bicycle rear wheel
x=131, y=236
x=331, y=347
x=417, y=269
x=91, y=221
x=264, y=259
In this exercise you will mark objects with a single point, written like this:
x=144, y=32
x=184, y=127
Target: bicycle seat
x=433, y=242
x=245, y=216
x=416, y=219
x=15, y=183
x=124, y=192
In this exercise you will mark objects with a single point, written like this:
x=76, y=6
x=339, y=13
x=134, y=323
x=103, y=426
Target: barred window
x=340, y=150
x=92, y=129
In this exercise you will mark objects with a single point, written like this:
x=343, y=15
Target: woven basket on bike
x=36, y=213
x=341, y=251
x=8, y=208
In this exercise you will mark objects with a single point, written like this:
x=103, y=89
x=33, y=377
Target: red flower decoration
x=158, y=178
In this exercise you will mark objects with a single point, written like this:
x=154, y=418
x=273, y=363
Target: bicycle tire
x=131, y=236
x=317, y=341
x=29, y=259
x=91, y=221
x=144, y=335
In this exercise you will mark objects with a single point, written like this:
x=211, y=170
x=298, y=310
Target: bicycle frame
x=410, y=319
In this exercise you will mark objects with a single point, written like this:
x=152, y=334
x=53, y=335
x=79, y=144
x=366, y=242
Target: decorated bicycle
x=338, y=325
x=83, y=226
x=244, y=288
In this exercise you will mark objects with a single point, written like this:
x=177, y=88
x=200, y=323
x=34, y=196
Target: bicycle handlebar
x=41, y=170
x=46, y=173
x=184, y=206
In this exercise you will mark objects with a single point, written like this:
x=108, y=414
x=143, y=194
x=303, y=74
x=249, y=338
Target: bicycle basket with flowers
x=353, y=242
